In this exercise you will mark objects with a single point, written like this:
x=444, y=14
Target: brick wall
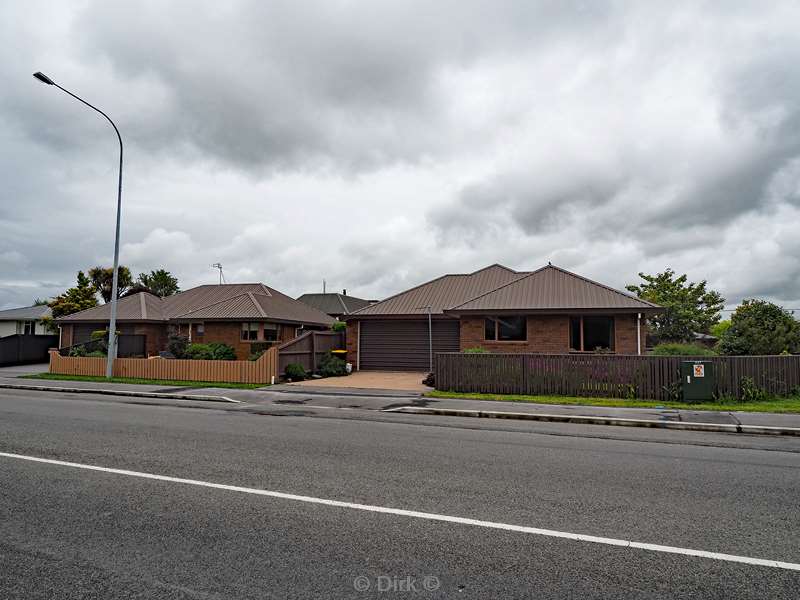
x=227, y=333
x=625, y=334
x=351, y=338
x=546, y=333
x=155, y=337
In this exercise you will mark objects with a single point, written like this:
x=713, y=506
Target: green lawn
x=164, y=382
x=781, y=405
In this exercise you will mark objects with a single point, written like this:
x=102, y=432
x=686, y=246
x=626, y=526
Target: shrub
x=339, y=326
x=198, y=352
x=332, y=366
x=77, y=351
x=295, y=372
x=220, y=351
x=256, y=355
x=430, y=380
x=682, y=350
x=751, y=392
x=475, y=350
x=97, y=354
x=260, y=347
x=177, y=344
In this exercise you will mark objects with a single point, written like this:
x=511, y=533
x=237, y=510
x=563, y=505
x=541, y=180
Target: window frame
x=612, y=347
x=497, y=323
x=247, y=328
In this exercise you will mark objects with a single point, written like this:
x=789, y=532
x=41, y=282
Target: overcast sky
x=380, y=144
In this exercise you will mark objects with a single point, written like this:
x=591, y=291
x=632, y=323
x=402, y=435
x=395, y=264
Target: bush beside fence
x=608, y=376
x=230, y=371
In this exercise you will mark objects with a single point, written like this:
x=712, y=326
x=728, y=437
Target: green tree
x=761, y=327
x=688, y=307
x=160, y=282
x=720, y=328
x=102, y=279
x=75, y=299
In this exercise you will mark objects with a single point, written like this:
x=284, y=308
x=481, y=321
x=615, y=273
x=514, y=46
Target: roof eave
x=554, y=311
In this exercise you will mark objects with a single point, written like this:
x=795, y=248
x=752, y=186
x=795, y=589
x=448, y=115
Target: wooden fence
x=308, y=349
x=232, y=371
x=610, y=376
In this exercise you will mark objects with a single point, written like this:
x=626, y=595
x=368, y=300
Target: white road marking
x=423, y=515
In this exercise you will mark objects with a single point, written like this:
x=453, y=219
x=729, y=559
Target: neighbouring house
x=549, y=310
x=24, y=321
x=240, y=315
x=335, y=305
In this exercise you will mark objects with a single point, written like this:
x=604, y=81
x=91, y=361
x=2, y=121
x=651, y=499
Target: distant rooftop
x=335, y=304
x=27, y=313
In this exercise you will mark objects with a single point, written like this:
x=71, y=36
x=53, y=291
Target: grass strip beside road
x=781, y=405
x=134, y=381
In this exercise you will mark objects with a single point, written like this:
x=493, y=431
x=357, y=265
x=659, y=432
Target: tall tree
x=102, y=279
x=75, y=299
x=159, y=282
x=688, y=307
x=761, y=327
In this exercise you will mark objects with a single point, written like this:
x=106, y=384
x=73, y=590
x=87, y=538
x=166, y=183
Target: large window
x=591, y=334
x=506, y=329
x=249, y=332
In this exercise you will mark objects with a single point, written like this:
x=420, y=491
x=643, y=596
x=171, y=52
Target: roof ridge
x=524, y=275
x=205, y=306
x=257, y=305
x=416, y=287
x=344, y=306
x=602, y=285
x=142, y=305
x=494, y=265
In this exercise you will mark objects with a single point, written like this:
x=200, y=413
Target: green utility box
x=699, y=381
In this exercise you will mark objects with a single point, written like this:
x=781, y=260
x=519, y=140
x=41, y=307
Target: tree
x=41, y=302
x=688, y=307
x=160, y=282
x=75, y=299
x=761, y=327
x=103, y=278
x=720, y=328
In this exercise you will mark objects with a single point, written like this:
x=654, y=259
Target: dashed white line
x=579, y=537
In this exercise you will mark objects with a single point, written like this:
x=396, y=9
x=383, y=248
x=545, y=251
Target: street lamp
x=112, y=329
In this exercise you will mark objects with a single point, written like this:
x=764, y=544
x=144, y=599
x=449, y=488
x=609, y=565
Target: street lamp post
x=112, y=328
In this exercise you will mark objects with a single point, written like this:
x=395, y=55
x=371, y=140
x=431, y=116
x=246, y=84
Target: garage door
x=403, y=345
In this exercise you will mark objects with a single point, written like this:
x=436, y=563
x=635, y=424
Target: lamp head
x=43, y=78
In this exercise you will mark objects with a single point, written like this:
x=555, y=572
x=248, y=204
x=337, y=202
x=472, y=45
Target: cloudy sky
x=380, y=144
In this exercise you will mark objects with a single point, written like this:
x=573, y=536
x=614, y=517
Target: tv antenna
x=221, y=276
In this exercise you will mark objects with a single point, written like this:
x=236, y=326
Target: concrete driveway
x=372, y=380
x=17, y=370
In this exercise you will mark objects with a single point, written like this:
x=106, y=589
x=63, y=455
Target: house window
x=249, y=332
x=200, y=328
x=26, y=327
x=506, y=329
x=270, y=332
x=591, y=334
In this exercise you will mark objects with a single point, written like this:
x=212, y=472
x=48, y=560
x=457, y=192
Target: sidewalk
x=414, y=403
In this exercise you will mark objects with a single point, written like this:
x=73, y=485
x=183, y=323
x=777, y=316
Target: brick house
x=549, y=310
x=239, y=315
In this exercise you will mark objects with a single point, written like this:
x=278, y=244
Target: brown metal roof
x=553, y=288
x=334, y=304
x=252, y=301
x=442, y=293
x=129, y=308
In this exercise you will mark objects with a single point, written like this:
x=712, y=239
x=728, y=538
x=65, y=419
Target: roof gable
x=334, y=303
x=443, y=292
x=553, y=288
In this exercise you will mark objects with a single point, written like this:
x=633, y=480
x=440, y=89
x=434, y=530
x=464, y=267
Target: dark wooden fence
x=25, y=349
x=610, y=376
x=308, y=349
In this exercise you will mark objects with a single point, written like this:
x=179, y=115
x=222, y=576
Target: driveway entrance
x=373, y=380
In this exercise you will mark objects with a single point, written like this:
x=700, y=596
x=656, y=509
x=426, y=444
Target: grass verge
x=133, y=380
x=778, y=405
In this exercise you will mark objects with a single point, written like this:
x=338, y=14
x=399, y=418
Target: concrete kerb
x=593, y=420
x=130, y=393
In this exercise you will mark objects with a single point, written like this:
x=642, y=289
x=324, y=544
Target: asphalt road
x=68, y=532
